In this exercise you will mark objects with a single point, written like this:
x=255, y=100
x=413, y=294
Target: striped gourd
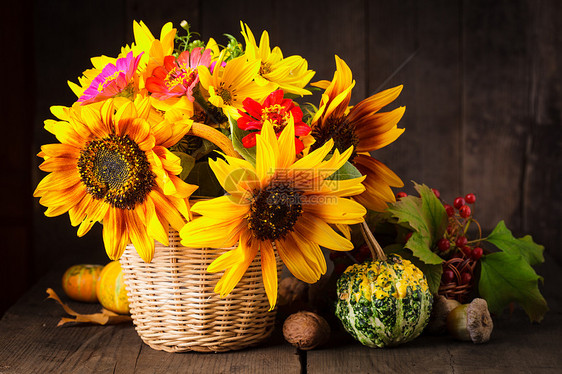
x=383, y=303
x=79, y=282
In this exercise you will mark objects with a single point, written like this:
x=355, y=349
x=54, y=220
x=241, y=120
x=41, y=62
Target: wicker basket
x=175, y=309
x=457, y=289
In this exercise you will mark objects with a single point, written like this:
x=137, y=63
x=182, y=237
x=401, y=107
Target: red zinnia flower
x=178, y=77
x=276, y=110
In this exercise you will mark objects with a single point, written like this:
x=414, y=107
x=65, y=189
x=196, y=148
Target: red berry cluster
x=454, y=241
x=460, y=253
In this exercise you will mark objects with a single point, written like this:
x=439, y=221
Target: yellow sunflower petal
x=138, y=130
x=197, y=233
x=165, y=208
x=269, y=272
x=318, y=231
x=336, y=210
x=221, y=208
x=376, y=102
x=287, y=144
x=341, y=188
x=58, y=180
x=143, y=243
x=114, y=234
x=297, y=263
x=154, y=226
x=92, y=118
x=65, y=134
x=311, y=250
x=380, y=141
x=232, y=276
x=314, y=158
x=60, y=150
x=71, y=195
x=266, y=158
x=58, y=164
x=228, y=259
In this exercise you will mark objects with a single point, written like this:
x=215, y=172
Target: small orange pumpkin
x=79, y=282
x=111, y=291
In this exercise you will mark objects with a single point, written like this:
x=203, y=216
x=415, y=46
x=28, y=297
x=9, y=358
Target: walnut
x=291, y=290
x=306, y=330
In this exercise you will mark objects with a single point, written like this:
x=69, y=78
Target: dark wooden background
x=482, y=90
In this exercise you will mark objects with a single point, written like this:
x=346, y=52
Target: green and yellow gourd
x=384, y=302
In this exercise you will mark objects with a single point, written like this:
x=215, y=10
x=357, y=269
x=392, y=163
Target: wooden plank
x=542, y=206
x=417, y=46
x=318, y=30
x=15, y=188
x=334, y=29
x=223, y=17
x=30, y=342
x=155, y=16
x=516, y=346
x=497, y=66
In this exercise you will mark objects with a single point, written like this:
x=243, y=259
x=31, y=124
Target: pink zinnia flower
x=113, y=80
x=276, y=110
x=178, y=77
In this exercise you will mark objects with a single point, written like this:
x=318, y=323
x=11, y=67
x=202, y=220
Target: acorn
x=471, y=322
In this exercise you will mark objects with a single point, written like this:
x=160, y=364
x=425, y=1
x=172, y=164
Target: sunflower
x=228, y=86
x=113, y=166
x=281, y=205
x=290, y=74
x=362, y=126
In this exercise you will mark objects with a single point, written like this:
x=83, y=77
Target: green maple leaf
x=507, y=277
x=236, y=136
x=502, y=238
x=427, y=217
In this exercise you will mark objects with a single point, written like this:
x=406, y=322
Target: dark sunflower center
x=117, y=170
x=265, y=68
x=274, y=212
x=227, y=95
x=341, y=131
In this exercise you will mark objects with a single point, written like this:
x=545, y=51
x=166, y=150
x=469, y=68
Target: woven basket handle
x=214, y=136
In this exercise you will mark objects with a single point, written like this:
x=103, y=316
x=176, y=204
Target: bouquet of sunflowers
x=212, y=141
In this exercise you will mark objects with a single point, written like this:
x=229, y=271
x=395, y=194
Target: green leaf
x=507, y=277
x=433, y=211
x=237, y=134
x=419, y=244
x=502, y=238
x=187, y=163
x=433, y=275
x=347, y=171
x=427, y=217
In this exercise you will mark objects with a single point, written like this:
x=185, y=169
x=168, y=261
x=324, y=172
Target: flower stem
x=374, y=246
x=214, y=136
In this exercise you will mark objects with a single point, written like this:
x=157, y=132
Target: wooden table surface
x=31, y=342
